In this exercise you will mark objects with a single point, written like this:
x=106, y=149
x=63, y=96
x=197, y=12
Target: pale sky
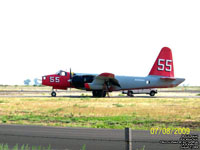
x=41, y=37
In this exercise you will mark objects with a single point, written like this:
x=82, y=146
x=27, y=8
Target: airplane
x=160, y=76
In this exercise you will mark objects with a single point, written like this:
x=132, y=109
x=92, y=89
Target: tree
x=27, y=82
x=36, y=83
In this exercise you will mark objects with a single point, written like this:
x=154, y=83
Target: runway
x=65, y=138
x=82, y=94
x=75, y=96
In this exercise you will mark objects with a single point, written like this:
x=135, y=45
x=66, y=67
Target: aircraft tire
x=130, y=93
x=95, y=93
x=104, y=94
x=152, y=93
x=99, y=93
x=53, y=94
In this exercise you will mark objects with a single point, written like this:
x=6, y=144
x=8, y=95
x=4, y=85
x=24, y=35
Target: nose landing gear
x=53, y=94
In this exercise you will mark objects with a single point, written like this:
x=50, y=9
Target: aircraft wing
x=100, y=80
x=108, y=77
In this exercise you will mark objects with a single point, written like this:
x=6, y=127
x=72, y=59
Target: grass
x=23, y=147
x=118, y=105
x=115, y=113
x=2, y=101
x=143, y=148
x=95, y=122
x=83, y=147
x=121, y=94
x=27, y=147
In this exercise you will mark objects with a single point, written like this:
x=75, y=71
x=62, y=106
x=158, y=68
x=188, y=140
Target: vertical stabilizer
x=163, y=65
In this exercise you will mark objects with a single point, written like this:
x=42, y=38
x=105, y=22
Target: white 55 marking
x=165, y=65
x=54, y=79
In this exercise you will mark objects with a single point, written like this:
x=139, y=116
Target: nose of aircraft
x=43, y=80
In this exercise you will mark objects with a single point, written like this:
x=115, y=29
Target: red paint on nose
x=57, y=81
x=44, y=80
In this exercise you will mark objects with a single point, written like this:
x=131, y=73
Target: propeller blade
x=70, y=72
x=70, y=78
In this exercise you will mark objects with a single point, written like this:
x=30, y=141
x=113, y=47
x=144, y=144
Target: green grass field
x=23, y=147
x=115, y=113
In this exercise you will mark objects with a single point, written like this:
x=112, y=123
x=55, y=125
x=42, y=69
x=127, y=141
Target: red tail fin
x=163, y=65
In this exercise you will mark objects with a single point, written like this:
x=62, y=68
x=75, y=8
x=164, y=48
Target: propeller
x=70, y=79
x=70, y=74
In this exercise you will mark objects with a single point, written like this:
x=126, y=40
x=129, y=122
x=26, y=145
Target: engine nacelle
x=91, y=86
x=79, y=81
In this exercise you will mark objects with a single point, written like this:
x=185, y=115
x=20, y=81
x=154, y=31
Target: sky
x=41, y=37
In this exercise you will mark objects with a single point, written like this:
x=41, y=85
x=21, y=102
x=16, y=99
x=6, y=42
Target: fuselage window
x=62, y=73
x=147, y=82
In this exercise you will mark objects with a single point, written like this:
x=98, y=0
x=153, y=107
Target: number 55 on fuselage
x=160, y=76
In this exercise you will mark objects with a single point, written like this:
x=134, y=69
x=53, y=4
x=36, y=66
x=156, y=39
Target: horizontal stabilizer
x=167, y=78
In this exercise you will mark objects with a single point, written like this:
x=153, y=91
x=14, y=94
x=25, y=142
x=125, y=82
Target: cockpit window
x=61, y=73
x=58, y=73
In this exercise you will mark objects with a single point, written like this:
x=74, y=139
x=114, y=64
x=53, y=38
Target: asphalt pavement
x=15, y=93
x=66, y=138
x=75, y=96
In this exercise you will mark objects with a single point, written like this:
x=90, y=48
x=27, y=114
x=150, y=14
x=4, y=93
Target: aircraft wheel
x=99, y=93
x=53, y=94
x=104, y=94
x=152, y=93
x=95, y=93
x=130, y=93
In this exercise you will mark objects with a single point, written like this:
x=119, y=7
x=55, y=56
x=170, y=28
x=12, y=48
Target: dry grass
x=186, y=111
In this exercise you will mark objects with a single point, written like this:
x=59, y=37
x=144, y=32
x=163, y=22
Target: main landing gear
x=152, y=93
x=99, y=93
x=130, y=93
x=103, y=92
x=53, y=94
